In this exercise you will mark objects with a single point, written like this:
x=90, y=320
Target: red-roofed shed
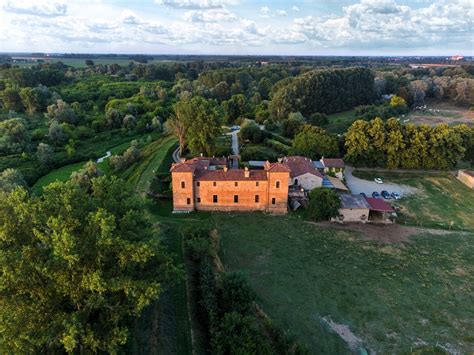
x=380, y=211
x=379, y=205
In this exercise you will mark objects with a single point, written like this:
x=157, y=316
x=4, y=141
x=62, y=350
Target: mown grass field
x=394, y=297
x=340, y=122
x=441, y=201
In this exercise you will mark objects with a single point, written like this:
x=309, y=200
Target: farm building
x=354, y=208
x=466, y=177
x=357, y=208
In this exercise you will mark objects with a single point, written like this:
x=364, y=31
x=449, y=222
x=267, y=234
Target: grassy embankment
x=440, y=202
x=340, y=122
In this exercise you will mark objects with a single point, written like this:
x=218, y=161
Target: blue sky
x=300, y=27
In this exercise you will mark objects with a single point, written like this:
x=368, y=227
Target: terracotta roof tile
x=301, y=165
x=230, y=175
x=377, y=204
x=333, y=163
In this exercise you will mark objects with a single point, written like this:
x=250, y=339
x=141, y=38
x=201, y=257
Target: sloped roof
x=276, y=167
x=377, y=204
x=352, y=201
x=300, y=165
x=230, y=175
x=337, y=183
x=468, y=172
x=332, y=163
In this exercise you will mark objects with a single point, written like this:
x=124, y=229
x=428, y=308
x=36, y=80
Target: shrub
x=278, y=146
x=318, y=119
x=237, y=295
x=323, y=204
x=250, y=131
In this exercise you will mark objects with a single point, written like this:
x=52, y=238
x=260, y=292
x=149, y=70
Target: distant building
x=333, y=166
x=456, y=57
x=357, y=208
x=205, y=184
x=354, y=208
x=303, y=173
x=466, y=177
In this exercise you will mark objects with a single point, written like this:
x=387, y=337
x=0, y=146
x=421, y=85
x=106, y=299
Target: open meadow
x=315, y=280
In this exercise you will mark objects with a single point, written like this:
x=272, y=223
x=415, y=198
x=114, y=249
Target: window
x=236, y=198
x=278, y=184
x=214, y=198
x=257, y=199
x=256, y=184
x=214, y=183
x=188, y=201
x=198, y=200
x=198, y=184
x=183, y=184
x=273, y=200
x=236, y=183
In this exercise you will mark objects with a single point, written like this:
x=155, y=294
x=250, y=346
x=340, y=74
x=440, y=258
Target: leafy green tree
x=318, y=119
x=323, y=204
x=314, y=142
x=76, y=266
x=44, y=153
x=113, y=117
x=30, y=99
x=397, y=101
x=239, y=334
x=71, y=148
x=394, y=143
x=10, y=179
x=56, y=133
x=11, y=100
x=83, y=177
x=294, y=122
x=250, y=131
x=14, y=136
x=357, y=143
x=61, y=112
x=235, y=107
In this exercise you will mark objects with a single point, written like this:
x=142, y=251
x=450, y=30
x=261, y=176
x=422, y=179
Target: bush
x=318, y=119
x=237, y=295
x=323, y=204
x=278, y=146
x=255, y=152
x=250, y=131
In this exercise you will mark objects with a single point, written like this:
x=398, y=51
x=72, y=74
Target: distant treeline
x=324, y=91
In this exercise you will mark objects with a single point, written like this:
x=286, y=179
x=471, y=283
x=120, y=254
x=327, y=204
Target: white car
x=378, y=180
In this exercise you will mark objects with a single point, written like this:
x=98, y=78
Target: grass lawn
x=392, y=296
x=340, y=122
x=440, y=200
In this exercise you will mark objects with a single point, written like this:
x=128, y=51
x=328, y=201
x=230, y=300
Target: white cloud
x=212, y=15
x=44, y=8
x=264, y=11
x=197, y=4
x=295, y=8
x=281, y=13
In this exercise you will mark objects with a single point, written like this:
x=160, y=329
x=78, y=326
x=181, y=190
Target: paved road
x=357, y=185
x=175, y=155
x=235, y=148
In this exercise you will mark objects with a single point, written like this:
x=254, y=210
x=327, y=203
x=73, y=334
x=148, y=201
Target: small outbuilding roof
x=332, y=163
x=468, y=172
x=300, y=166
x=379, y=205
x=352, y=201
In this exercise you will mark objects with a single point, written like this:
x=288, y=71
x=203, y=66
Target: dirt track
x=393, y=233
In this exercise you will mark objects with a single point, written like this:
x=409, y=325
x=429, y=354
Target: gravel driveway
x=357, y=185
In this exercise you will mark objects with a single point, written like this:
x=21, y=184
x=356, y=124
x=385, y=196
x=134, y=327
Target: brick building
x=206, y=184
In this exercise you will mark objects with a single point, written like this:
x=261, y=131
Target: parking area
x=357, y=185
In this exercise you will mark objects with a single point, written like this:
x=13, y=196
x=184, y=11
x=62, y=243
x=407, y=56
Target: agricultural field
x=441, y=201
x=390, y=297
x=442, y=112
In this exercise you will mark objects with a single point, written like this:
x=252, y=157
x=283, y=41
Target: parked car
x=385, y=195
x=396, y=196
x=363, y=194
x=378, y=180
x=375, y=194
x=235, y=128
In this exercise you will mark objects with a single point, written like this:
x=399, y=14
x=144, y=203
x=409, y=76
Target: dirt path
x=393, y=233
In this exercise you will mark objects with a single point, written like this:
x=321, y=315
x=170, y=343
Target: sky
x=243, y=27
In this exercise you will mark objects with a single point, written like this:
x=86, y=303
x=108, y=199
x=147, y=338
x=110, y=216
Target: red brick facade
x=203, y=184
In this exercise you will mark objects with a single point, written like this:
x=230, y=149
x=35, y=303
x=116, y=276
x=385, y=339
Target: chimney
x=225, y=169
x=201, y=154
x=182, y=160
x=280, y=160
x=246, y=172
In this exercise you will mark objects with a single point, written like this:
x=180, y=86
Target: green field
x=392, y=296
x=441, y=201
x=340, y=122
x=64, y=173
